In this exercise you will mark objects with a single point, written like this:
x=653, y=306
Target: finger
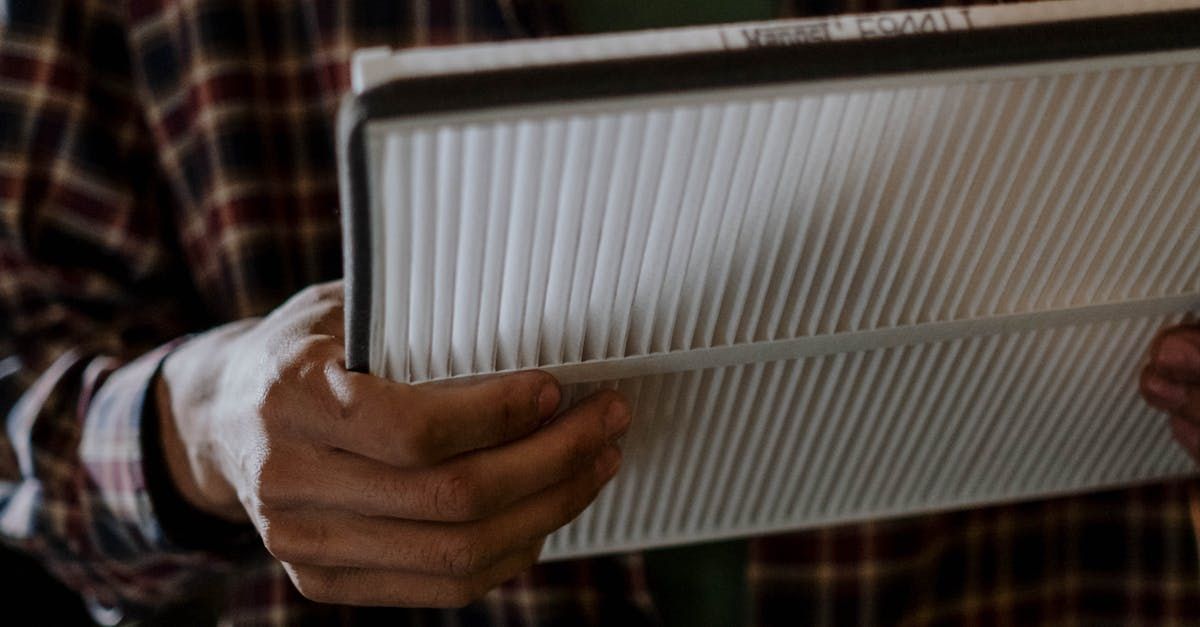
x=472, y=486
x=335, y=538
x=331, y=321
x=1176, y=355
x=1170, y=396
x=326, y=317
x=418, y=426
x=321, y=304
x=467, y=415
x=479, y=484
x=366, y=587
x=1187, y=435
x=318, y=292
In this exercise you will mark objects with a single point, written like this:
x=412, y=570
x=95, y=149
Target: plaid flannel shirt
x=168, y=165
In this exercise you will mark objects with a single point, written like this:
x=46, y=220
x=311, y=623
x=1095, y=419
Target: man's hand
x=1170, y=381
x=368, y=491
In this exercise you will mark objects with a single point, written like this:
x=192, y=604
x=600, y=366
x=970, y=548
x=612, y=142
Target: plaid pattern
x=1123, y=557
x=167, y=165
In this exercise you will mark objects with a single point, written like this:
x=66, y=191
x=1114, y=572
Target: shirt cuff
x=122, y=454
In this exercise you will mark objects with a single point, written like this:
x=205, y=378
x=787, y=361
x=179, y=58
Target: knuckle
x=298, y=386
x=304, y=544
x=271, y=406
x=342, y=399
x=456, y=496
x=460, y=556
x=312, y=349
x=317, y=540
x=417, y=443
x=316, y=585
x=303, y=360
x=274, y=485
x=279, y=542
x=348, y=407
x=520, y=400
x=457, y=594
x=515, y=403
x=316, y=293
x=610, y=397
x=575, y=501
x=309, y=294
x=327, y=309
x=269, y=495
x=581, y=451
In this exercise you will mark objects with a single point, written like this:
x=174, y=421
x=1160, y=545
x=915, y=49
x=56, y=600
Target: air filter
x=845, y=269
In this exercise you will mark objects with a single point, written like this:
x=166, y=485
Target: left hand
x=1170, y=381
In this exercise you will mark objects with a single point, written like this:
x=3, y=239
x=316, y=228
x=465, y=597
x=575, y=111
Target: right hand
x=1170, y=381
x=372, y=492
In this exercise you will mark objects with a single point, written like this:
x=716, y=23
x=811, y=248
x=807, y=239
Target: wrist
x=185, y=395
x=175, y=459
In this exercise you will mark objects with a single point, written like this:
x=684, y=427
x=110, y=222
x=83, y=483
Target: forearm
x=82, y=503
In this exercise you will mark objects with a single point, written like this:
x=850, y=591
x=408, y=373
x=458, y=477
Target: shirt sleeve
x=92, y=295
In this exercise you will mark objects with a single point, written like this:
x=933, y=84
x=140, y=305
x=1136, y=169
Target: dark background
x=29, y=595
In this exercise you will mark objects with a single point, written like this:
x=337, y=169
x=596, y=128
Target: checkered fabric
x=168, y=165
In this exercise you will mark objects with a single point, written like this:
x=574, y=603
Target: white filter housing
x=828, y=300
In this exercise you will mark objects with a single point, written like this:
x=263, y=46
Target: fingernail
x=1176, y=353
x=1170, y=394
x=547, y=400
x=607, y=462
x=616, y=421
x=1187, y=433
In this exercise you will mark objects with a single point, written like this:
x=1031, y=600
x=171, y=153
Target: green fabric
x=702, y=585
x=594, y=16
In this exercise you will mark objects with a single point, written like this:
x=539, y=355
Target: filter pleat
x=784, y=455
x=830, y=117
x=914, y=295
x=680, y=436
x=1052, y=452
x=782, y=223
x=1012, y=262
x=916, y=214
x=779, y=391
x=713, y=392
x=867, y=112
x=683, y=240
x=848, y=451
x=568, y=221
x=756, y=222
x=654, y=484
x=730, y=142
x=1146, y=209
x=1060, y=400
x=663, y=232
x=866, y=215
x=904, y=165
x=991, y=234
x=397, y=260
x=994, y=141
x=578, y=314
x=637, y=236
x=984, y=414
x=1127, y=134
x=824, y=304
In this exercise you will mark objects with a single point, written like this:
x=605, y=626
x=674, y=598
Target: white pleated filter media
x=827, y=301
